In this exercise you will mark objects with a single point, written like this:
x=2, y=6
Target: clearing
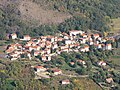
x=33, y=13
x=116, y=59
x=115, y=25
x=85, y=84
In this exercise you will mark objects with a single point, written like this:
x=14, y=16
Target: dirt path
x=75, y=75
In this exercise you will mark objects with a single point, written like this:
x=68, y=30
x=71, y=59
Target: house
x=103, y=40
x=42, y=44
x=26, y=37
x=19, y=52
x=25, y=48
x=109, y=80
x=42, y=52
x=54, y=46
x=63, y=47
x=48, y=58
x=56, y=71
x=83, y=35
x=112, y=39
x=14, y=55
x=34, y=48
x=29, y=43
x=36, y=53
x=40, y=68
x=99, y=38
x=58, y=52
x=29, y=55
x=48, y=51
x=90, y=39
x=59, y=39
x=44, y=58
x=82, y=40
x=108, y=46
x=65, y=50
x=68, y=42
x=71, y=45
x=91, y=42
x=86, y=48
x=14, y=36
x=103, y=46
x=51, y=38
x=18, y=46
x=65, y=82
x=75, y=32
x=12, y=59
x=55, y=39
x=102, y=63
x=48, y=45
x=96, y=36
x=43, y=38
x=81, y=62
x=72, y=63
x=34, y=44
x=98, y=46
x=82, y=49
x=66, y=36
x=9, y=50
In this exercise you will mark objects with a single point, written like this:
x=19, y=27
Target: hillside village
x=48, y=46
x=45, y=47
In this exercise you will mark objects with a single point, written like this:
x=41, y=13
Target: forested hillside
x=85, y=15
x=49, y=17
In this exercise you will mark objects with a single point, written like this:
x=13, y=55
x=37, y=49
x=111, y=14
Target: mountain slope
x=31, y=11
x=42, y=17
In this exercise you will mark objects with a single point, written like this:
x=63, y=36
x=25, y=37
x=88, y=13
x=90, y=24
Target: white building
x=108, y=46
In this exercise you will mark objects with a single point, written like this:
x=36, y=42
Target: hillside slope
x=31, y=11
x=42, y=17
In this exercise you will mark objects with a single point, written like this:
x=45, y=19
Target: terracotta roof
x=38, y=67
x=13, y=34
x=26, y=36
x=72, y=63
x=56, y=70
x=86, y=46
x=9, y=50
x=96, y=34
x=109, y=80
x=67, y=80
x=108, y=44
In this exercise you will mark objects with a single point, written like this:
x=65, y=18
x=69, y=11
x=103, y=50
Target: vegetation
x=85, y=15
x=115, y=24
x=82, y=84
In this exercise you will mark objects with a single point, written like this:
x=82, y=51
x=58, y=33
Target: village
x=45, y=47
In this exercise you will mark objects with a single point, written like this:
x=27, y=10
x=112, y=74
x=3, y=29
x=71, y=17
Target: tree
x=81, y=71
x=89, y=65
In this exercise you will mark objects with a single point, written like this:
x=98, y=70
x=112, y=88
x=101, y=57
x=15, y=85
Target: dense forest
x=86, y=15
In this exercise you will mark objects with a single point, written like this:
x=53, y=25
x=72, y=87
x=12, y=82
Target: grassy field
x=115, y=25
x=116, y=59
x=77, y=83
x=85, y=84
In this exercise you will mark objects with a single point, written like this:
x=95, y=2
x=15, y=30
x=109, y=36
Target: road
x=75, y=75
